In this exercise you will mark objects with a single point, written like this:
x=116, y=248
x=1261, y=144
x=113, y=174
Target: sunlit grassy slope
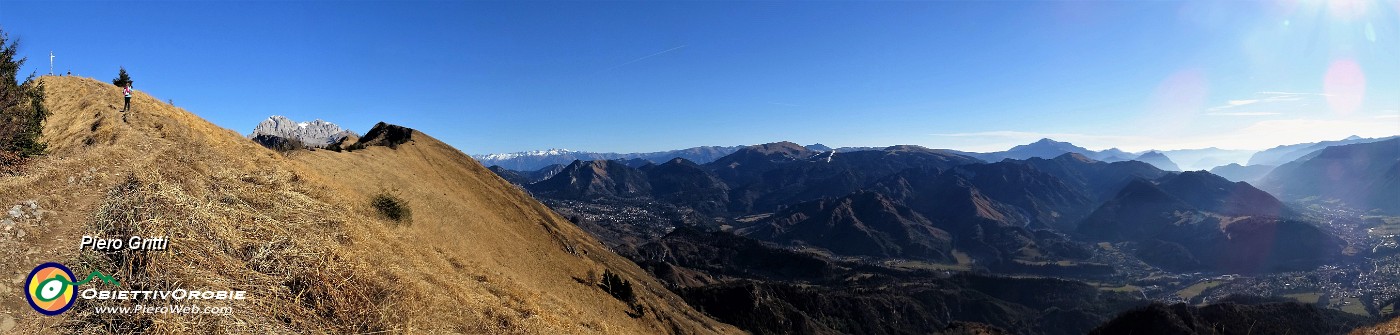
x=298, y=233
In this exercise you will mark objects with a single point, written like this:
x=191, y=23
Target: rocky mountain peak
x=316, y=133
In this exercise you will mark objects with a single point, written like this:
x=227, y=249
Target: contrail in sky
x=644, y=58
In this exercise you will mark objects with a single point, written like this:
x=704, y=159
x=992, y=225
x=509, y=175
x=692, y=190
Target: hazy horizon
x=498, y=77
x=989, y=150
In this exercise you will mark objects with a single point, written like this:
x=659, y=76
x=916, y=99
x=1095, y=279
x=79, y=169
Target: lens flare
x=1345, y=86
x=1177, y=101
x=1346, y=9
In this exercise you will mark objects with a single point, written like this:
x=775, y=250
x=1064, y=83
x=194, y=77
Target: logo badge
x=50, y=288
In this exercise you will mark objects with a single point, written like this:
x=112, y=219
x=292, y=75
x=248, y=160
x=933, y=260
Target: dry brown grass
x=11, y=163
x=299, y=234
x=1391, y=327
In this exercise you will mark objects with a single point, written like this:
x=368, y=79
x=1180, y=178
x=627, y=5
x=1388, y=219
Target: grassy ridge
x=300, y=234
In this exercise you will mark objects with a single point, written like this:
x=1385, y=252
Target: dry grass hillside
x=1391, y=327
x=298, y=232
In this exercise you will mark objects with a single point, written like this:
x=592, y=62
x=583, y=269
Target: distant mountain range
x=787, y=227
x=1261, y=163
x=1045, y=148
x=1236, y=172
x=1287, y=153
x=1364, y=175
x=1206, y=158
x=1170, y=160
x=526, y=177
x=1048, y=148
x=534, y=160
x=919, y=203
x=1158, y=160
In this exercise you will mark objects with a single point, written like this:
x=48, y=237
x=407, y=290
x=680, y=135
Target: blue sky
x=646, y=76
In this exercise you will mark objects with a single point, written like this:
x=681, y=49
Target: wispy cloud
x=1243, y=113
x=1278, y=93
x=662, y=52
x=1262, y=98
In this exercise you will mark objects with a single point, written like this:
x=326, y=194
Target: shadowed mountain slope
x=864, y=223
x=1363, y=175
x=788, y=175
x=593, y=180
x=1099, y=180
x=989, y=230
x=684, y=182
x=1231, y=318
x=1195, y=220
x=1236, y=172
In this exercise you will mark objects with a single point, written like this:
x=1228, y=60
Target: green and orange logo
x=48, y=290
x=50, y=287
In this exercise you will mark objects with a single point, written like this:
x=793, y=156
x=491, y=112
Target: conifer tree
x=122, y=78
x=22, y=111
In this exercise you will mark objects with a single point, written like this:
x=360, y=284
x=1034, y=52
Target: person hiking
x=127, y=92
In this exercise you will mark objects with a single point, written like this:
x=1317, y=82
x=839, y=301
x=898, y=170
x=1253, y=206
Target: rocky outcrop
x=314, y=134
x=387, y=135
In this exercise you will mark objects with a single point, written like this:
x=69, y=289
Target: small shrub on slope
x=392, y=208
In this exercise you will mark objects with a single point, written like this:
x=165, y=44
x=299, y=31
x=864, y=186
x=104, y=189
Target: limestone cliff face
x=317, y=133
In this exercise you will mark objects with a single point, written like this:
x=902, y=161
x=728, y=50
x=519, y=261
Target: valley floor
x=1363, y=283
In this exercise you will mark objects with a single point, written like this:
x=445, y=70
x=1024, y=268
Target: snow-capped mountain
x=536, y=159
x=514, y=155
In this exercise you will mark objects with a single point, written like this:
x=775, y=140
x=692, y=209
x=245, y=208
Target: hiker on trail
x=127, y=91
